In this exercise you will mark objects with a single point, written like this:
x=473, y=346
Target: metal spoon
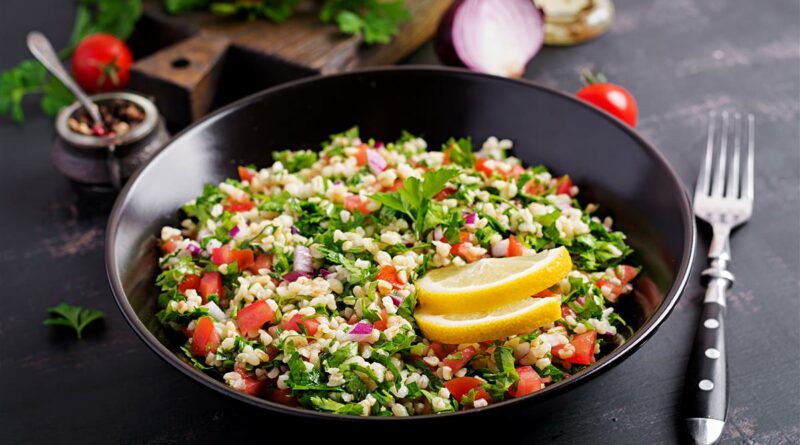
x=43, y=51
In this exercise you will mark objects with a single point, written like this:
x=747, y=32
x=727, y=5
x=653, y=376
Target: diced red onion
x=396, y=300
x=324, y=273
x=500, y=248
x=295, y=230
x=379, y=144
x=471, y=218
x=375, y=161
x=193, y=248
x=295, y=274
x=233, y=231
x=302, y=260
x=498, y=37
x=361, y=328
x=581, y=300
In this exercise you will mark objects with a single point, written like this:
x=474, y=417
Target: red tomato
x=238, y=206
x=461, y=250
x=445, y=193
x=515, y=248
x=383, y=323
x=441, y=350
x=534, y=188
x=167, y=247
x=204, y=337
x=244, y=258
x=261, y=261
x=545, y=293
x=480, y=165
x=211, y=283
x=389, y=274
x=250, y=318
x=614, y=289
x=625, y=273
x=245, y=174
x=457, y=360
x=461, y=386
x=282, y=396
x=529, y=382
x=361, y=156
x=190, y=281
x=222, y=255
x=611, y=98
x=354, y=202
x=564, y=186
x=584, y=348
x=398, y=184
x=515, y=172
x=252, y=385
x=101, y=62
x=310, y=324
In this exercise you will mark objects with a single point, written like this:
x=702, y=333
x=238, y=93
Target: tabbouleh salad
x=296, y=283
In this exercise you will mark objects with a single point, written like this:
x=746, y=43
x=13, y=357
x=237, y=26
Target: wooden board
x=209, y=60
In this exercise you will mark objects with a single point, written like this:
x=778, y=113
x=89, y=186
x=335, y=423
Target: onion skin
x=443, y=41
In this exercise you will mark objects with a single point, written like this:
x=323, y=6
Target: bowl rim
x=608, y=361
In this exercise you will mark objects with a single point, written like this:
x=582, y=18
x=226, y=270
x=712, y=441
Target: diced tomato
x=457, y=360
x=614, y=289
x=446, y=157
x=244, y=258
x=398, y=184
x=515, y=172
x=515, y=248
x=463, y=251
x=309, y=324
x=250, y=318
x=529, y=382
x=190, y=281
x=261, y=261
x=480, y=165
x=389, y=274
x=625, y=273
x=282, y=396
x=584, y=348
x=252, y=385
x=566, y=311
x=441, y=350
x=354, y=202
x=564, y=186
x=245, y=174
x=545, y=293
x=211, y=283
x=461, y=386
x=204, y=338
x=445, y=193
x=361, y=156
x=238, y=206
x=383, y=323
x=222, y=255
x=169, y=246
x=534, y=188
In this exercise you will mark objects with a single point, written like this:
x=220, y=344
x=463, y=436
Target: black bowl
x=612, y=165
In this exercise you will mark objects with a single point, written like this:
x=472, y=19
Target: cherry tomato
x=612, y=98
x=101, y=62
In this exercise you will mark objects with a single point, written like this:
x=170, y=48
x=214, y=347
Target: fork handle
x=706, y=379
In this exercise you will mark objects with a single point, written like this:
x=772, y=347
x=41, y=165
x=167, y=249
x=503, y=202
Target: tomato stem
x=591, y=77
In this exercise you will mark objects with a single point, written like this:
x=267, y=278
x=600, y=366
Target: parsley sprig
x=74, y=317
x=414, y=197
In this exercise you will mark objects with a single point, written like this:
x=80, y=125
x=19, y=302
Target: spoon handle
x=43, y=51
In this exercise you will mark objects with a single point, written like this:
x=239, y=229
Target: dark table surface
x=682, y=58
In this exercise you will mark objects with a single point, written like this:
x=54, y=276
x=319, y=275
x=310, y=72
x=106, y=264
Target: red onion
x=294, y=275
x=375, y=161
x=471, y=218
x=379, y=144
x=193, y=248
x=500, y=248
x=295, y=230
x=360, y=332
x=396, y=300
x=438, y=234
x=324, y=273
x=233, y=231
x=302, y=260
x=495, y=37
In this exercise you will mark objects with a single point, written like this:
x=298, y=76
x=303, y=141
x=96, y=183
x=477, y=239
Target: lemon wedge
x=491, y=282
x=516, y=318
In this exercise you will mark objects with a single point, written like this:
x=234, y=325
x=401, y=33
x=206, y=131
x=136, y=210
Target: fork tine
x=704, y=179
x=748, y=188
x=732, y=188
x=718, y=186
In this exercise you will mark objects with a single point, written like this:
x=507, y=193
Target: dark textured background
x=681, y=58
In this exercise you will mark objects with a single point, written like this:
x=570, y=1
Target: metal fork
x=723, y=198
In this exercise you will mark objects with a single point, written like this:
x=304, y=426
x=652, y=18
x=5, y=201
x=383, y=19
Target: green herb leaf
x=75, y=317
